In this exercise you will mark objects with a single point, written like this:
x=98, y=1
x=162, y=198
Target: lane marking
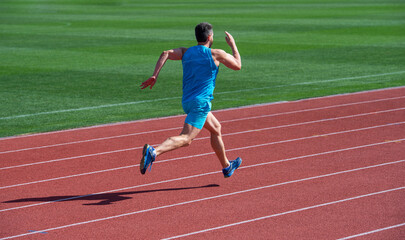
x=224, y=121
x=169, y=160
x=70, y=158
x=315, y=121
x=33, y=231
x=90, y=140
x=203, y=138
x=314, y=109
x=201, y=175
x=374, y=231
x=287, y=212
x=235, y=193
x=217, y=93
x=198, y=155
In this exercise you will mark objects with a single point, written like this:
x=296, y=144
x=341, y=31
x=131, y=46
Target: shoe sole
x=142, y=164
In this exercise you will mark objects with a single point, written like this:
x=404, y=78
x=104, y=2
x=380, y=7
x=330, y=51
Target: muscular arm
x=173, y=54
x=231, y=61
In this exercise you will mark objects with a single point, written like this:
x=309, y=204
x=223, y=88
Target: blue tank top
x=199, y=74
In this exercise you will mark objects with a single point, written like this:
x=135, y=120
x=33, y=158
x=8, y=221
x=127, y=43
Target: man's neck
x=205, y=44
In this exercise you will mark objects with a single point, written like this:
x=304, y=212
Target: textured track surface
x=324, y=168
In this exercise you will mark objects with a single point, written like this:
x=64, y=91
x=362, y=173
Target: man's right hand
x=150, y=82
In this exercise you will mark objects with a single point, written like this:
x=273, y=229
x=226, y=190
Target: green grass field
x=72, y=63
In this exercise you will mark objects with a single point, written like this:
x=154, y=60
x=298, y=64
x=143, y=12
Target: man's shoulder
x=218, y=53
x=183, y=49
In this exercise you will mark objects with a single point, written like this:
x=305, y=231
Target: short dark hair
x=202, y=31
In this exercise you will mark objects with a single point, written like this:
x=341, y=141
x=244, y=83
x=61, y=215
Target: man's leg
x=184, y=139
x=214, y=127
x=149, y=153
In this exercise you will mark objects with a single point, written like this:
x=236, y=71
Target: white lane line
x=225, y=121
x=69, y=176
x=90, y=140
x=193, y=156
x=70, y=158
x=314, y=109
x=285, y=213
x=312, y=122
x=209, y=173
x=374, y=231
x=202, y=138
x=217, y=93
x=235, y=193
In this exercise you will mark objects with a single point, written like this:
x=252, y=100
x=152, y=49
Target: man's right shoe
x=148, y=157
x=234, y=165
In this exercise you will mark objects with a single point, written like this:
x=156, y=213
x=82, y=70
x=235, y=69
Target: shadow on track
x=103, y=198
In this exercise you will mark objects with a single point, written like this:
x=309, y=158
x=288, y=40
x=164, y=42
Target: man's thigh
x=190, y=131
x=212, y=124
x=197, y=112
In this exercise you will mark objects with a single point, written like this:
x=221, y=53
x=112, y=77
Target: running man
x=200, y=69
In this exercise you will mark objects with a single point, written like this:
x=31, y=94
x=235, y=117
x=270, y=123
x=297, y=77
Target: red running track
x=323, y=168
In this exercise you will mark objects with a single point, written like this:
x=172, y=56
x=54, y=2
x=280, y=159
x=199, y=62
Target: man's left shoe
x=234, y=165
x=148, y=157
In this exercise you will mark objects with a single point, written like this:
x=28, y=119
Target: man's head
x=204, y=33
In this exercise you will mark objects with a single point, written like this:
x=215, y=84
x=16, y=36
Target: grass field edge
x=182, y=115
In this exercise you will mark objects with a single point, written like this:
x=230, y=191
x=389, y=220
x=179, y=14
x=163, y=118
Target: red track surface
x=324, y=168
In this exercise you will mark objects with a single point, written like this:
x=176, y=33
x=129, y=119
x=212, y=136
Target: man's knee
x=216, y=129
x=187, y=140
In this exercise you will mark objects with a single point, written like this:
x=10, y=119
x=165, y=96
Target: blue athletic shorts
x=197, y=111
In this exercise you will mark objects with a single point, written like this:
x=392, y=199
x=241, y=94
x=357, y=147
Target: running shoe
x=148, y=158
x=234, y=165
